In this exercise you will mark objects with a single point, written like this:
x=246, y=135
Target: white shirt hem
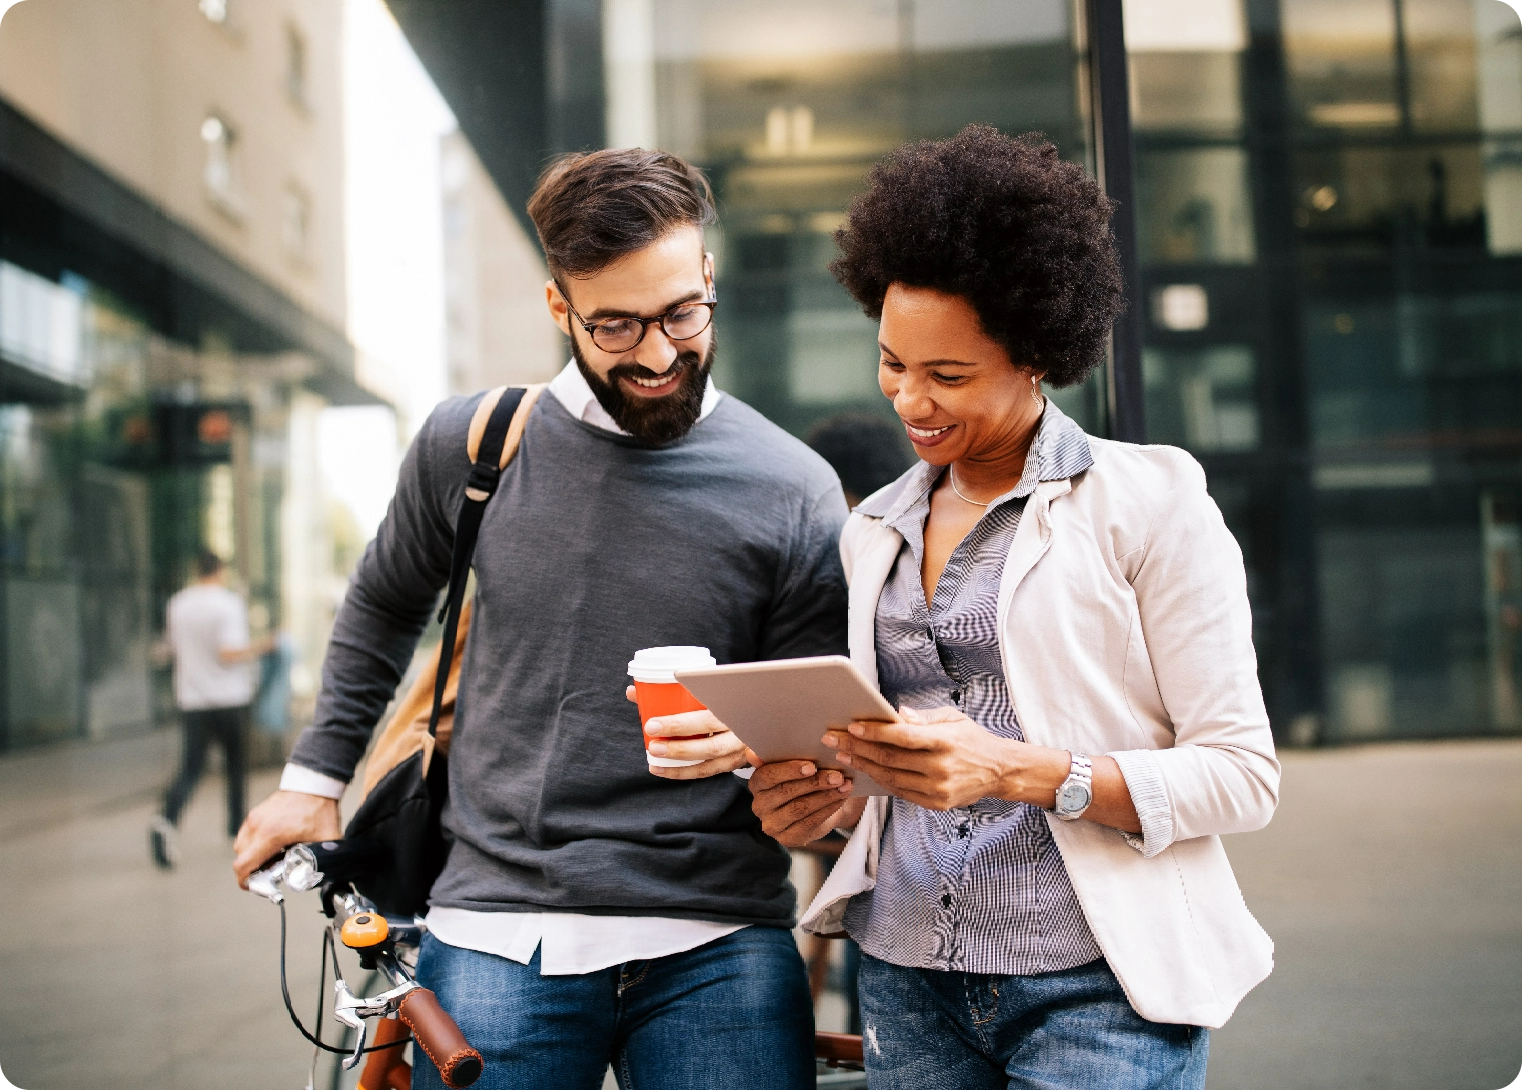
x=571, y=944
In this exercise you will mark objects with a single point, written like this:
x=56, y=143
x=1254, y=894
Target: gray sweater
x=593, y=547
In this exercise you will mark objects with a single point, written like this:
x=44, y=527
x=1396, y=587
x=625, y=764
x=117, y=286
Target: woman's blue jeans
x=732, y=1013
x=924, y=1029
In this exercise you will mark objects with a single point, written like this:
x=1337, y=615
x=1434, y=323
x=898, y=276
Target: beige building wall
x=132, y=83
x=498, y=328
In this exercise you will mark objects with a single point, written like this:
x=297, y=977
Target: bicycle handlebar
x=436, y=1034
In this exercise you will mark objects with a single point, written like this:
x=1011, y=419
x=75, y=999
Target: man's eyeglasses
x=681, y=323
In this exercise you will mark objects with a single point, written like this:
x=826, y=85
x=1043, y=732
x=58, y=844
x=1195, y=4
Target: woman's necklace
x=952, y=473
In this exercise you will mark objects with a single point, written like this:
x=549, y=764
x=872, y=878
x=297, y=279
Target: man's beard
x=653, y=420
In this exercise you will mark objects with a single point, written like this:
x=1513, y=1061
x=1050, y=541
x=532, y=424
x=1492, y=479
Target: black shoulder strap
x=480, y=486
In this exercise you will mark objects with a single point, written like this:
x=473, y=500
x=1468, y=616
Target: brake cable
x=285, y=992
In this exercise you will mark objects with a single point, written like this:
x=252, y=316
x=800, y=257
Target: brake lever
x=352, y=1010
x=266, y=882
x=296, y=867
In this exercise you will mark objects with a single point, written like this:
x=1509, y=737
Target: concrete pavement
x=1391, y=880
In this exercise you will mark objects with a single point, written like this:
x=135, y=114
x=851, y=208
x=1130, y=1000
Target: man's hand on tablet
x=798, y=802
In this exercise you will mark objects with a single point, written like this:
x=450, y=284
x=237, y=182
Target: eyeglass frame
x=644, y=323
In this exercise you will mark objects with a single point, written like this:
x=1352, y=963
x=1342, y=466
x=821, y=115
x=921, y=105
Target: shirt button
x=945, y=900
x=965, y=829
x=956, y=696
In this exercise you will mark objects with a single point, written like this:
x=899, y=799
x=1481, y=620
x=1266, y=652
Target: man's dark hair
x=1003, y=222
x=592, y=209
x=866, y=452
x=208, y=563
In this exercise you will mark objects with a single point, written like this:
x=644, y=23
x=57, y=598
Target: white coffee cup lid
x=658, y=665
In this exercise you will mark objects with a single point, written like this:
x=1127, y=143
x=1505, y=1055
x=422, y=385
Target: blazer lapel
x=1032, y=538
x=873, y=561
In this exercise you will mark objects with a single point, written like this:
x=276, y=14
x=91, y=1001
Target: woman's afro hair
x=1003, y=222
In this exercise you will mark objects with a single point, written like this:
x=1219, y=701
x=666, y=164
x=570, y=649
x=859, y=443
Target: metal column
x=1110, y=96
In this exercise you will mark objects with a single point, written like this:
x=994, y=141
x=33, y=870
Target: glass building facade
x=787, y=105
x=1328, y=220
x=1328, y=203
x=122, y=453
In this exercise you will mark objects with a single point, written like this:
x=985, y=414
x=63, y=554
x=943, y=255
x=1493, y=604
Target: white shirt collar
x=570, y=387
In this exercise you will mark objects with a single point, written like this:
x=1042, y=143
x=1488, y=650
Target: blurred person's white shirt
x=204, y=620
x=569, y=943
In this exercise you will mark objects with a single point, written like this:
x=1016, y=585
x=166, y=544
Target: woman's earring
x=1036, y=397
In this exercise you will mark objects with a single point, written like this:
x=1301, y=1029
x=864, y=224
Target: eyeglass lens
x=680, y=323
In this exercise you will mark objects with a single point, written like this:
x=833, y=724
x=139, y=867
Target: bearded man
x=595, y=910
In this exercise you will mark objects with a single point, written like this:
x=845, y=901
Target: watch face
x=1072, y=797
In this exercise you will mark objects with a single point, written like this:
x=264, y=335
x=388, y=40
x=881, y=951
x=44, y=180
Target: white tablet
x=782, y=708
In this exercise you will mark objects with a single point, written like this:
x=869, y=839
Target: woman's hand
x=718, y=749
x=941, y=760
x=799, y=802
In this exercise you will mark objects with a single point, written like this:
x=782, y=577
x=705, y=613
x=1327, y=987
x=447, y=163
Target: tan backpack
x=404, y=786
x=407, y=730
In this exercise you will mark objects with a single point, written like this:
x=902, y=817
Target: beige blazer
x=1124, y=630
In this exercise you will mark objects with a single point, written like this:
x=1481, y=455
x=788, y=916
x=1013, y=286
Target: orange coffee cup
x=658, y=692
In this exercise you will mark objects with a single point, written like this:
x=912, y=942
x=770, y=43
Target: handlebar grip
x=437, y=1035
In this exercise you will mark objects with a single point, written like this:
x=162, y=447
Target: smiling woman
x=1063, y=622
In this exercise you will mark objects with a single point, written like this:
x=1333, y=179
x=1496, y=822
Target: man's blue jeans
x=929, y=1030
x=733, y=1013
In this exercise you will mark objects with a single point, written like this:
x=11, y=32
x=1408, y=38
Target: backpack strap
x=493, y=439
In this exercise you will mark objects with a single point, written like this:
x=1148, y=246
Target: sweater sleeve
x=391, y=595
x=1221, y=774
x=808, y=614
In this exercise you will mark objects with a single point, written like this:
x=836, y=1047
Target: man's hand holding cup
x=692, y=736
x=683, y=739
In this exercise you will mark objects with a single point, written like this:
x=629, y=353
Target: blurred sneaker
x=164, y=842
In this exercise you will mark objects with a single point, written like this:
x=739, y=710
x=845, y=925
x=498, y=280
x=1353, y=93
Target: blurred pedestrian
x=206, y=633
x=866, y=452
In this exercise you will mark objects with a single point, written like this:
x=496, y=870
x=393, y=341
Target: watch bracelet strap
x=1083, y=768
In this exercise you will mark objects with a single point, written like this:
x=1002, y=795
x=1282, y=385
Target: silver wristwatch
x=1077, y=791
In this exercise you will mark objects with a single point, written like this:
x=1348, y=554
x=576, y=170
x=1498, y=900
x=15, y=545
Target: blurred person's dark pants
x=228, y=727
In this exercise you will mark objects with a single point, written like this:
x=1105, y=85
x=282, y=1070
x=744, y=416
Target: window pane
x=1343, y=351
x=1186, y=64
x=1341, y=62
x=787, y=104
x=1193, y=205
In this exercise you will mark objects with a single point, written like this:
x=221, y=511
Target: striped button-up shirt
x=981, y=888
